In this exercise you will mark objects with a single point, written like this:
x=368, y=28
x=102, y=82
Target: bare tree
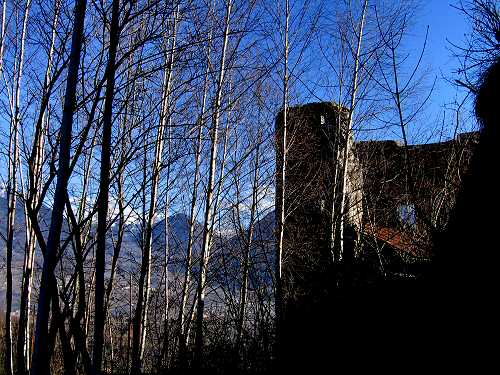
x=248, y=242
x=346, y=167
x=102, y=221
x=209, y=214
x=282, y=189
x=12, y=182
x=141, y=313
x=41, y=359
x=36, y=159
x=481, y=47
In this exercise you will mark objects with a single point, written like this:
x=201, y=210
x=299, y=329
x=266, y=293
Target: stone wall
x=414, y=201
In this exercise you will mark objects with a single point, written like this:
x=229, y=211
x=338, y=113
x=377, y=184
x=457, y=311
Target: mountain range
x=225, y=262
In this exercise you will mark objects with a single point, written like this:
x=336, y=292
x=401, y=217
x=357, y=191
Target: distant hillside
x=18, y=249
x=225, y=260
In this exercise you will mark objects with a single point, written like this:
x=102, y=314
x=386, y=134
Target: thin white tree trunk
x=192, y=215
x=282, y=194
x=166, y=253
x=12, y=187
x=35, y=178
x=2, y=34
x=209, y=214
x=11, y=213
x=141, y=313
x=248, y=246
x=348, y=134
x=334, y=214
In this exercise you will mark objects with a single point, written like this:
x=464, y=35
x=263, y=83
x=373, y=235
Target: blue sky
x=446, y=24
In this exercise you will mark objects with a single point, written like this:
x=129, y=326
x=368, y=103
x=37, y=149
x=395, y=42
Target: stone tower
x=313, y=194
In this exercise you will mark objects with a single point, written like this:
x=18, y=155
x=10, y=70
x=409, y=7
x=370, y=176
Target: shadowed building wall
x=313, y=195
x=313, y=192
x=329, y=307
x=401, y=206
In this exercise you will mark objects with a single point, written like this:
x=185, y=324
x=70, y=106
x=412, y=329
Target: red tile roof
x=396, y=239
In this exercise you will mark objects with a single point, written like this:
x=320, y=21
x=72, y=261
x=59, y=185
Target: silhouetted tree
x=41, y=359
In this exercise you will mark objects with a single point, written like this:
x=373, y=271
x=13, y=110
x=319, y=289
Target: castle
x=395, y=196
x=396, y=199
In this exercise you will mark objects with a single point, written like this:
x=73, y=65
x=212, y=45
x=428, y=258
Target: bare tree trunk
x=209, y=214
x=248, y=246
x=8, y=296
x=76, y=312
x=11, y=213
x=222, y=165
x=111, y=349
x=41, y=359
x=141, y=312
x=88, y=309
x=2, y=31
x=336, y=145
x=123, y=136
x=348, y=134
x=166, y=339
x=129, y=321
x=282, y=194
x=35, y=175
x=103, y=200
x=166, y=294
x=12, y=189
x=80, y=314
x=166, y=252
x=182, y=337
x=124, y=140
